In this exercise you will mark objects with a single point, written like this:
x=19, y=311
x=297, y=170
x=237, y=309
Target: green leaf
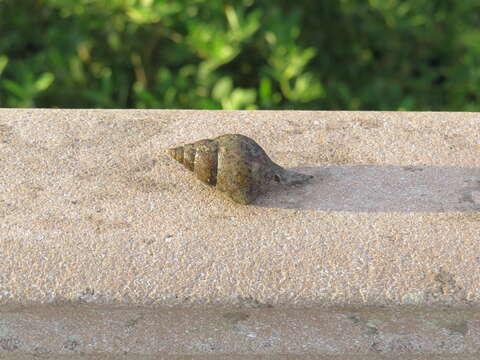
x=222, y=88
x=298, y=59
x=232, y=17
x=240, y=99
x=44, y=81
x=15, y=88
x=307, y=88
x=3, y=63
x=265, y=91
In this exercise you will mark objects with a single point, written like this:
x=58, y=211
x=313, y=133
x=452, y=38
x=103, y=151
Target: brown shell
x=235, y=165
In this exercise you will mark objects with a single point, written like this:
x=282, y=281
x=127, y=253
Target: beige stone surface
x=93, y=211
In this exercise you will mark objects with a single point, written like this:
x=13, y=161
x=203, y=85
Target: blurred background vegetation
x=244, y=54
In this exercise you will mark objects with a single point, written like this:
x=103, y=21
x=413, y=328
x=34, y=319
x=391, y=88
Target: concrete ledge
x=92, y=212
x=255, y=332
x=241, y=357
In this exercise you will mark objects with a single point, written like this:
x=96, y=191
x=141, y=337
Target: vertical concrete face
x=94, y=212
x=74, y=330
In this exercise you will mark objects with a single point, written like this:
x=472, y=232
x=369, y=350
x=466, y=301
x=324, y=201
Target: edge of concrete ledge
x=375, y=332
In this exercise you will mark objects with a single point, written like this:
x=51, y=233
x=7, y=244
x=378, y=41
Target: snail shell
x=235, y=165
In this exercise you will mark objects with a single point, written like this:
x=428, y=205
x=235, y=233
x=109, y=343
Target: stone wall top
x=93, y=210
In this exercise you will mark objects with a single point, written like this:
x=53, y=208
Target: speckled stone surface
x=92, y=210
x=315, y=333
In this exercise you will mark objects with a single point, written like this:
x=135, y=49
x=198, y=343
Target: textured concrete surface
x=93, y=211
x=96, y=220
x=238, y=357
x=44, y=331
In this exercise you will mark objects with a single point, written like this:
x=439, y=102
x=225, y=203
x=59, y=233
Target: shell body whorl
x=235, y=165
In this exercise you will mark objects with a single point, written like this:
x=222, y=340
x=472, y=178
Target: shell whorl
x=200, y=157
x=235, y=165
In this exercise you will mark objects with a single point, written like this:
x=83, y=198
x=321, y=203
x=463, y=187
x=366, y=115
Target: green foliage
x=244, y=54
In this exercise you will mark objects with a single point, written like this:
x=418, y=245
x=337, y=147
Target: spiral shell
x=235, y=165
